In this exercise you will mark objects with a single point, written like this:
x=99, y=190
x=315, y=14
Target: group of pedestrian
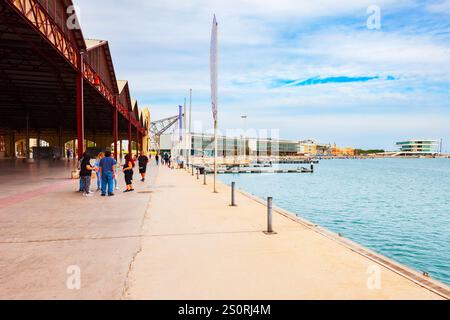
x=106, y=169
x=167, y=160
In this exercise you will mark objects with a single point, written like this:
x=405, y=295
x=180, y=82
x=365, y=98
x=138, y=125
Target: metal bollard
x=233, y=194
x=204, y=177
x=198, y=173
x=270, y=215
x=312, y=168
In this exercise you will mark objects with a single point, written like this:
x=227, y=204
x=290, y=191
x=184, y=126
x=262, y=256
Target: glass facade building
x=419, y=147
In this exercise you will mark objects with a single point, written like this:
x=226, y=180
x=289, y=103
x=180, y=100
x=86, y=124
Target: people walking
x=86, y=174
x=128, y=172
x=166, y=160
x=143, y=163
x=100, y=156
x=108, y=172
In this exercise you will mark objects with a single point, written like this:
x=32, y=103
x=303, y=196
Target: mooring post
x=233, y=194
x=312, y=168
x=270, y=215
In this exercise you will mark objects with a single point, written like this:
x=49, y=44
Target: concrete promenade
x=195, y=246
x=172, y=239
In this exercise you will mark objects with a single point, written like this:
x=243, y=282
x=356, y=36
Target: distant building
x=419, y=147
x=199, y=145
x=343, y=152
x=308, y=148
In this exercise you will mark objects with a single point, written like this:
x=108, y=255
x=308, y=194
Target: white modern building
x=419, y=147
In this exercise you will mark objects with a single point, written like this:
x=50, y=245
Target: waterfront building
x=342, y=152
x=203, y=145
x=308, y=148
x=419, y=147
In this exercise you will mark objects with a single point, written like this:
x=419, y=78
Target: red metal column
x=137, y=140
x=115, y=129
x=130, y=150
x=80, y=108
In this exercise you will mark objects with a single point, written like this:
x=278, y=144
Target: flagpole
x=215, y=156
x=184, y=128
x=214, y=89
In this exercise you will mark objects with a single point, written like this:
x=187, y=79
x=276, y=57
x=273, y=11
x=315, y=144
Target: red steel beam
x=130, y=151
x=94, y=79
x=137, y=141
x=38, y=17
x=115, y=133
x=41, y=21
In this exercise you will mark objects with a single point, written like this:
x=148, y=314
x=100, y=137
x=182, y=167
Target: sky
x=310, y=69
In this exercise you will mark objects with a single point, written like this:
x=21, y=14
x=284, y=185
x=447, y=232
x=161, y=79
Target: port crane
x=158, y=128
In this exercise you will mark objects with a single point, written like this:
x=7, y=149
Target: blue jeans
x=107, y=182
x=99, y=180
x=81, y=184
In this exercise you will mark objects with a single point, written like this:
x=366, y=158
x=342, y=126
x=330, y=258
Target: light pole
x=190, y=146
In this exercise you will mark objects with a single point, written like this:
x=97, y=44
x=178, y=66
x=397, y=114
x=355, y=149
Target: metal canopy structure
x=158, y=128
x=51, y=78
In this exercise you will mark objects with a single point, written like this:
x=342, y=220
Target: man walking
x=108, y=172
x=143, y=162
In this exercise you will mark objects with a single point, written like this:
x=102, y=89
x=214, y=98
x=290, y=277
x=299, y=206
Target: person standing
x=128, y=172
x=107, y=171
x=116, y=181
x=79, y=163
x=157, y=159
x=86, y=174
x=143, y=163
x=100, y=156
x=166, y=160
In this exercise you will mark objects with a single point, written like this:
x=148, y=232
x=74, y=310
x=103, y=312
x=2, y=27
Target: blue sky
x=311, y=69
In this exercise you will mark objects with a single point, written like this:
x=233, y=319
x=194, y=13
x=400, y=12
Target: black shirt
x=84, y=172
x=143, y=161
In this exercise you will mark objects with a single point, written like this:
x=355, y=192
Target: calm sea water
x=397, y=207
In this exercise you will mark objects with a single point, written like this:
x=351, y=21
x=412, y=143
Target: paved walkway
x=195, y=246
x=173, y=239
x=46, y=227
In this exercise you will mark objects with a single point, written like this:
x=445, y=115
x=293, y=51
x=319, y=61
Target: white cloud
x=162, y=48
x=442, y=6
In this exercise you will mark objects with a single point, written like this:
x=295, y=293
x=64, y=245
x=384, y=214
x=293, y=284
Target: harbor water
x=397, y=207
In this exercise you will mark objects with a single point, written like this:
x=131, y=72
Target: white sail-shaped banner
x=214, y=68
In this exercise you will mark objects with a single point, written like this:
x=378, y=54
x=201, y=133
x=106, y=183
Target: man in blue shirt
x=108, y=172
